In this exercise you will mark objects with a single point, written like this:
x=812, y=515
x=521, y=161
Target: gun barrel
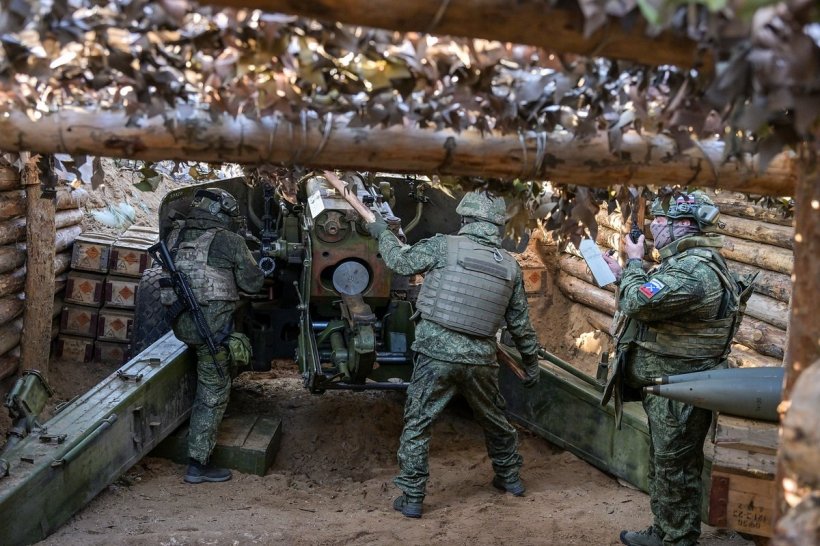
x=774, y=374
x=753, y=398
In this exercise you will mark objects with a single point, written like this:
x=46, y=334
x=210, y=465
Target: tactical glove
x=533, y=370
x=377, y=226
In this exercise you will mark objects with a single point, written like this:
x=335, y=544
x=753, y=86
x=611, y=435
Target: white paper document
x=595, y=261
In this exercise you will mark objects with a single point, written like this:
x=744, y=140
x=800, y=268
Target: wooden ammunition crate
x=535, y=280
x=742, y=493
x=92, y=252
x=130, y=257
x=142, y=232
x=84, y=288
x=77, y=349
x=120, y=291
x=115, y=324
x=111, y=352
x=79, y=320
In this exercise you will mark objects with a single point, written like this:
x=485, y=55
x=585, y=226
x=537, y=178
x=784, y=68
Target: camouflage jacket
x=681, y=288
x=439, y=342
x=228, y=251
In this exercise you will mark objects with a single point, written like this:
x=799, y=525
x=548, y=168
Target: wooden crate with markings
x=742, y=493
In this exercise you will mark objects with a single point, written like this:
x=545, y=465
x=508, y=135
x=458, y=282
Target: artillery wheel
x=150, y=317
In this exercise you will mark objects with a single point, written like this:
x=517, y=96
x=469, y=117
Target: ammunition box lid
x=96, y=238
x=91, y=252
x=147, y=233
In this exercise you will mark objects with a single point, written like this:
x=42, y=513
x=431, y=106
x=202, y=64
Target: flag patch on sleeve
x=651, y=288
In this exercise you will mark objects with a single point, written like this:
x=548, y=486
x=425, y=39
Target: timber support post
x=40, y=243
x=796, y=480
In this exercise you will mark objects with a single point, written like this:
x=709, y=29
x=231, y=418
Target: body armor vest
x=470, y=294
x=208, y=283
x=701, y=337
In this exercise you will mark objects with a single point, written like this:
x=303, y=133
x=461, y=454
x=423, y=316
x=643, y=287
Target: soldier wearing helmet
x=677, y=318
x=471, y=288
x=218, y=264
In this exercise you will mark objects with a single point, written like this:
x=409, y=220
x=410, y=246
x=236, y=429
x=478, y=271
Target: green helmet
x=483, y=206
x=695, y=205
x=216, y=201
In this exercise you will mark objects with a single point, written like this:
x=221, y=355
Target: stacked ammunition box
x=101, y=293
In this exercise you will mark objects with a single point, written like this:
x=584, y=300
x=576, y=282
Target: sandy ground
x=331, y=484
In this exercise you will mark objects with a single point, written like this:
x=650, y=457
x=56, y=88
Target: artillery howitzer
x=328, y=300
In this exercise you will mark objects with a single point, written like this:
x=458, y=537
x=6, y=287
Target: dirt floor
x=331, y=480
x=331, y=484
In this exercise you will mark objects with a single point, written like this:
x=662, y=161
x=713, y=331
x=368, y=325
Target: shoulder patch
x=651, y=288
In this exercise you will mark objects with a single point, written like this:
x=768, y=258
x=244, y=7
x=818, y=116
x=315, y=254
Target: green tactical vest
x=208, y=283
x=470, y=294
x=699, y=338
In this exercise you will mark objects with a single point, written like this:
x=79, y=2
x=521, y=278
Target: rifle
x=179, y=282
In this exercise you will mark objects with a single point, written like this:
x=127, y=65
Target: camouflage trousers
x=676, y=435
x=210, y=401
x=433, y=385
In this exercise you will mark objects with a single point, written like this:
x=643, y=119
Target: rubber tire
x=150, y=317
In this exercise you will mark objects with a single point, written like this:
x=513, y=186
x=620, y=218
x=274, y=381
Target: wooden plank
x=746, y=434
x=743, y=461
x=742, y=503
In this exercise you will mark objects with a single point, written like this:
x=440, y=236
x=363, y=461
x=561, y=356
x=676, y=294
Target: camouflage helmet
x=695, y=205
x=216, y=201
x=483, y=206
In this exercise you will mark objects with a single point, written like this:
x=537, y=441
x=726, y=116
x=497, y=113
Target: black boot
x=407, y=508
x=198, y=473
x=515, y=487
x=647, y=537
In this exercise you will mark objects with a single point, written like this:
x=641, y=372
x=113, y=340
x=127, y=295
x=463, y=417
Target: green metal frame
x=566, y=410
x=57, y=470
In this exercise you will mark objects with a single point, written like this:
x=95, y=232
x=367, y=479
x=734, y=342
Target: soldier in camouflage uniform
x=471, y=286
x=218, y=263
x=680, y=318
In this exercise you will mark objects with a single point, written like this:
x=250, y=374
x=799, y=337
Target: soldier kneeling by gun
x=207, y=264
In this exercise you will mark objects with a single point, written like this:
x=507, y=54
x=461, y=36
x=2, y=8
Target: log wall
x=757, y=239
x=13, y=258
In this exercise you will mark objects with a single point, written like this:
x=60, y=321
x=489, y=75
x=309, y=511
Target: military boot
x=198, y=473
x=514, y=487
x=647, y=537
x=408, y=509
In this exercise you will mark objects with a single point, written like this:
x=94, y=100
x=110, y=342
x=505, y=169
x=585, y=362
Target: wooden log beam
x=14, y=230
x=745, y=357
x=331, y=143
x=758, y=232
x=768, y=310
x=763, y=338
x=558, y=28
x=577, y=267
x=9, y=178
x=584, y=293
x=9, y=362
x=769, y=283
x=68, y=198
x=11, y=332
x=12, y=203
x=11, y=307
x=12, y=257
x=14, y=282
x=736, y=204
x=768, y=257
